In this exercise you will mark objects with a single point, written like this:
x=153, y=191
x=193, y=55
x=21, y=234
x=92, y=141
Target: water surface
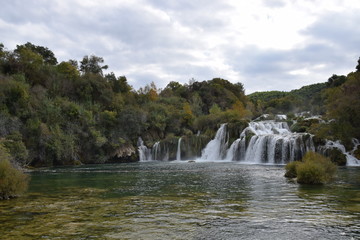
x=172, y=200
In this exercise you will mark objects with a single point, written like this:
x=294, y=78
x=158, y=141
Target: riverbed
x=181, y=200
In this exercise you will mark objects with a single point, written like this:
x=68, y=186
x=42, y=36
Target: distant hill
x=307, y=98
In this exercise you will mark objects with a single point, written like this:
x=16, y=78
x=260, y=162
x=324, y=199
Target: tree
x=123, y=85
x=119, y=85
x=358, y=66
x=68, y=69
x=187, y=114
x=335, y=80
x=28, y=61
x=47, y=54
x=92, y=64
x=150, y=92
x=343, y=103
x=1, y=52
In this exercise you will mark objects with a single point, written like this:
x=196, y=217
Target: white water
x=156, y=151
x=270, y=142
x=144, y=152
x=350, y=159
x=267, y=142
x=178, y=152
x=216, y=148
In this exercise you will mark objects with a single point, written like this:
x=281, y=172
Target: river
x=181, y=200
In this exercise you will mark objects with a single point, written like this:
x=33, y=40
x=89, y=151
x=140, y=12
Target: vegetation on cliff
x=72, y=112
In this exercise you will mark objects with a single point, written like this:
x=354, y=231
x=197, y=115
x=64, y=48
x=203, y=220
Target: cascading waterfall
x=216, y=148
x=144, y=152
x=269, y=142
x=266, y=141
x=350, y=159
x=178, y=152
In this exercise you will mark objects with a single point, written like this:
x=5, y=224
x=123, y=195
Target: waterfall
x=156, y=151
x=266, y=141
x=261, y=142
x=216, y=148
x=350, y=159
x=144, y=152
x=178, y=152
x=271, y=142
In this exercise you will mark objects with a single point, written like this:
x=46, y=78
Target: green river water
x=181, y=200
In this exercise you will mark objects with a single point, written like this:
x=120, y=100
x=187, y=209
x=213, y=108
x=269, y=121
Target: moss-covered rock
x=357, y=153
x=303, y=125
x=248, y=137
x=318, y=141
x=124, y=153
x=297, y=127
x=336, y=156
x=235, y=128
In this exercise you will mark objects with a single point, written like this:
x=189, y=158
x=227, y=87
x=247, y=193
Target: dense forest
x=70, y=112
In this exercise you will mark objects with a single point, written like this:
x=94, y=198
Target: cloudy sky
x=264, y=44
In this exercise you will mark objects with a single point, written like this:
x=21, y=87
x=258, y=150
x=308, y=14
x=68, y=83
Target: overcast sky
x=264, y=44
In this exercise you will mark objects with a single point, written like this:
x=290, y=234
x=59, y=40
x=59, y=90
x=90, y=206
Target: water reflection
x=181, y=201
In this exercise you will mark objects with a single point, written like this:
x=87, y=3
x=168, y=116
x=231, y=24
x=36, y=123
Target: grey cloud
x=205, y=15
x=271, y=69
x=337, y=29
x=332, y=48
x=129, y=36
x=274, y=3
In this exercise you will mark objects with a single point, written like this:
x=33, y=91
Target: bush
x=313, y=169
x=13, y=182
x=310, y=173
x=291, y=169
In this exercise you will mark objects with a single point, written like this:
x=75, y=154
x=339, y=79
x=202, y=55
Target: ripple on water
x=181, y=201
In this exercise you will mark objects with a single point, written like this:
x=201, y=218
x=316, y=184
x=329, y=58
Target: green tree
x=47, y=55
x=14, y=96
x=28, y=62
x=68, y=69
x=120, y=84
x=342, y=104
x=92, y=64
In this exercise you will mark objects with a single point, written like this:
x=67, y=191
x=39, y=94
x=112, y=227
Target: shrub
x=291, y=169
x=310, y=173
x=313, y=169
x=13, y=182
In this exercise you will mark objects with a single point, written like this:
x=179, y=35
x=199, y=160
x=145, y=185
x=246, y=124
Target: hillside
x=71, y=112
